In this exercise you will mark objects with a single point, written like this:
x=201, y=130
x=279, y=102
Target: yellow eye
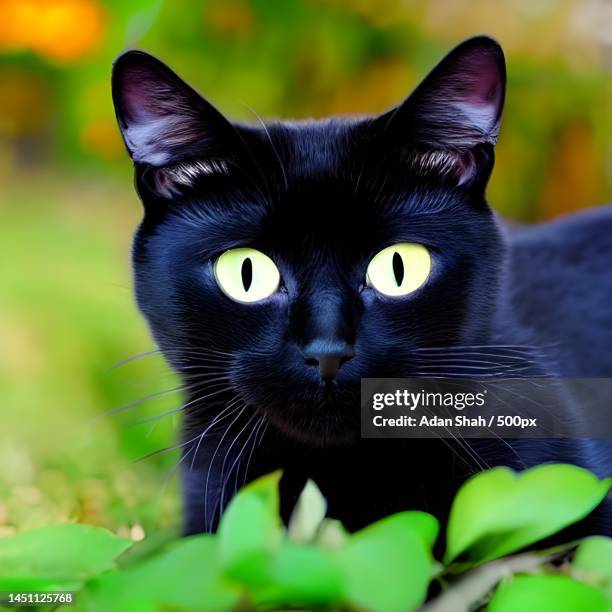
x=246, y=275
x=399, y=269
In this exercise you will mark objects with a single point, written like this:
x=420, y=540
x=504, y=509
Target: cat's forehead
x=312, y=147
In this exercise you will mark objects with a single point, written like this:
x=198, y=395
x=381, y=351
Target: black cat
x=278, y=264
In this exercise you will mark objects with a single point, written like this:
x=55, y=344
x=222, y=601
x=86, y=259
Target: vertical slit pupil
x=247, y=273
x=398, y=268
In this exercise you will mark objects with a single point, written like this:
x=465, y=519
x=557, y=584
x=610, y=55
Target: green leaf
x=186, y=576
x=425, y=525
x=546, y=593
x=499, y=511
x=251, y=532
x=388, y=565
x=593, y=563
x=302, y=576
x=307, y=515
x=57, y=557
x=155, y=542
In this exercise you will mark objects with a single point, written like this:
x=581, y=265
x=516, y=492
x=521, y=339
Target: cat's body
x=307, y=209
x=560, y=287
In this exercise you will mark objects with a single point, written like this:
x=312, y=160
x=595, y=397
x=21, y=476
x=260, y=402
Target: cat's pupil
x=247, y=273
x=398, y=268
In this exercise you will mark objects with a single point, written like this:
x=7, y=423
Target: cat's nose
x=329, y=362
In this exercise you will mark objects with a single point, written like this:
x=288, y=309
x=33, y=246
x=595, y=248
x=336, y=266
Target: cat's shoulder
x=559, y=284
x=590, y=228
x=576, y=243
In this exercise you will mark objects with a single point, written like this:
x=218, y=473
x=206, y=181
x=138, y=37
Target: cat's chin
x=324, y=432
x=321, y=439
x=313, y=414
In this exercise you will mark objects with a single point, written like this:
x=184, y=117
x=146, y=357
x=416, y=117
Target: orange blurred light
x=60, y=30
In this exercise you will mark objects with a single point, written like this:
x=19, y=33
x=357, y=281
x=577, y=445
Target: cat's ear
x=161, y=118
x=456, y=108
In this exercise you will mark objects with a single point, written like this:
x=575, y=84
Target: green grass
x=67, y=316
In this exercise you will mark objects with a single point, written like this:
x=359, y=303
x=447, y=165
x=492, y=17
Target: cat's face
x=282, y=264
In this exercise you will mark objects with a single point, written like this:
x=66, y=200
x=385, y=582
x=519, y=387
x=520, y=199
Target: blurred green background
x=67, y=206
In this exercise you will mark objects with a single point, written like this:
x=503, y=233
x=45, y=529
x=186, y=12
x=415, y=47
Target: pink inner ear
x=467, y=168
x=151, y=111
x=141, y=97
x=484, y=82
x=479, y=90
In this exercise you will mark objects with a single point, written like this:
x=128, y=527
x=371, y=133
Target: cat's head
x=281, y=263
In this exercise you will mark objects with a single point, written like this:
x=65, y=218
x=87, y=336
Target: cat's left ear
x=456, y=111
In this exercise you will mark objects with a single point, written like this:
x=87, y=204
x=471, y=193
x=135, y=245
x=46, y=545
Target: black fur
x=321, y=198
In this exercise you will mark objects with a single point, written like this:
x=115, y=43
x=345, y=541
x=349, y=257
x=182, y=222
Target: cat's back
x=560, y=286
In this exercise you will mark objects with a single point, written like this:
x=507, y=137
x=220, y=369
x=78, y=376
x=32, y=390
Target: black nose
x=329, y=362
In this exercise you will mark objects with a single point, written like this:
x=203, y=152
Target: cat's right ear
x=164, y=121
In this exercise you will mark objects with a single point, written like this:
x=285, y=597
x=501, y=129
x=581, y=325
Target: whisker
x=227, y=453
x=216, y=420
x=463, y=445
x=473, y=358
x=520, y=348
x=135, y=403
x=202, y=367
x=156, y=417
x=264, y=422
x=498, y=367
x=206, y=522
x=163, y=451
x=274, y=149
x=133, y=358
x=199, y=437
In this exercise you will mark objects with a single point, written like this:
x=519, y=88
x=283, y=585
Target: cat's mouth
x=327, y=416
